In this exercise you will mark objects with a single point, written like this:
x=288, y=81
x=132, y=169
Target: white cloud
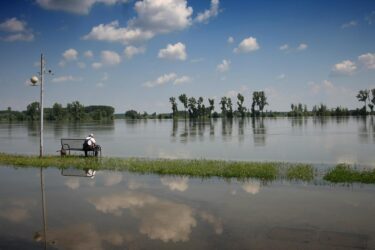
x=88, y=54
x=153, y=18
x=67, y=78
x=247, y=45
x=328, y=88
x=346, y=67
x=281, y=76
x=302, y=46
x=176, y=183
x=96, y=65
x=70, y=54
x=13, y=25
x=174, y=52
x=161, y=80
x=230, y=40
x=223, y=66
x=284, y=47
x=74, y=6
x=112, y=178
x=350, y=24
x=18, y=29
x=110, y=57
x=181, y=80
x=368, y=60
x=131, y=51
x=207, y=14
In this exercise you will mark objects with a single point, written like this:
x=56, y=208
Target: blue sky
x=135, y=54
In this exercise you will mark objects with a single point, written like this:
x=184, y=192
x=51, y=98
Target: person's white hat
x=91, y=135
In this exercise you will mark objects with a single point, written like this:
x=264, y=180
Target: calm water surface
x=119, y=210
x=314, y=140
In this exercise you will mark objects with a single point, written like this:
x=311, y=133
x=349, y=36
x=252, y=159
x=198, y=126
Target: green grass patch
x=302, y=172
x=344, y=173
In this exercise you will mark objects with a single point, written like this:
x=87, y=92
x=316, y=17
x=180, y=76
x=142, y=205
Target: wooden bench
x=68, y=145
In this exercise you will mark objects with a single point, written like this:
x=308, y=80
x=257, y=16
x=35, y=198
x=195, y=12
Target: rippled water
x=119, y=210
x=314, y=140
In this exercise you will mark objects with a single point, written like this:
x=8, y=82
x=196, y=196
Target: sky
x=135, y=54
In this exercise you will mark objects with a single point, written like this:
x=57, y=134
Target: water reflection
x=176, y=183
x=259, y=132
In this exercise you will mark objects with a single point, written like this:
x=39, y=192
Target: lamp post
x=34, y=80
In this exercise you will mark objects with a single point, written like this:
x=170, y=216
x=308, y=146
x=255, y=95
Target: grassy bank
x=266, y=171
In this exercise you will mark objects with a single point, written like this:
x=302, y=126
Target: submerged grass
x=266, y=171
x=346, y=173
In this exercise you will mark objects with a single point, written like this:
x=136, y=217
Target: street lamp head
x=34, y=80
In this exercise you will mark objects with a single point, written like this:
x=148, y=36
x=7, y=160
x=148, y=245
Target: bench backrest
x=72, y=144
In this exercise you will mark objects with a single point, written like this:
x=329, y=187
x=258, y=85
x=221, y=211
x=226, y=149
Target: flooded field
x=83, y=209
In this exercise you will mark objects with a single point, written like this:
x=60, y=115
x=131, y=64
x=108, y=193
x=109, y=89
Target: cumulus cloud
x=367, y=60
x=350, y=24
x=223, y=66
x=230, y=40
x=13, y=25
x=110, y=57
x=176, y=183
x=247, y=45
x=302, y=46
x=174, y=52
x=67, y=78
x=153, y=18
x=167, y=78
x=207, y=14
x=346, y=67
x=284, y=47
x=131, y=51
x=88, y=54
x=70, y=54
x=80, y=7
x=328, y=88
x=18, y=30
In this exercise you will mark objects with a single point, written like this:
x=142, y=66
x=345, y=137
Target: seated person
x=90, y=145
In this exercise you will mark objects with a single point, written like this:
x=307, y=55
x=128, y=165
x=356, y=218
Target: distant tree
x=9, y=111
x=76, y=111
x=263, y=101
x=372, y=100
x=223, y=104
x=32, y=111
x=57, y=112
x=132, y=114
x=362, y=96
x=200, y=107
x=212, y=106
x=229, y=108
x=184, y=100
x=192, y=109
x=256, y=101
x=240, y=108
x=172, y=100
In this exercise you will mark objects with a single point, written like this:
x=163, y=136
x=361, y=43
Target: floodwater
x=311, y=140
x=119, y=210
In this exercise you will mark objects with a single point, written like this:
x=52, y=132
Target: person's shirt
x=90, y=140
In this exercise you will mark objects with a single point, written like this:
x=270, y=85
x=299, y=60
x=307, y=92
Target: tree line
x=74, y=111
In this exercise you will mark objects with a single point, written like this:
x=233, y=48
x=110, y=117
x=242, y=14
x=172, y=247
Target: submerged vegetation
x=267, y=171
x=346, y=173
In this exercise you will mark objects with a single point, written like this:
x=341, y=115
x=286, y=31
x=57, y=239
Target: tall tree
x=256, y=101
x=362, y=97
x=263, y=101
x=241, y=109
x=192, y=102
x=32, y=111
x=372, y=104
x=184, y=100
x=76, y=111
x=172, y=100
x=212, y=106
x=57, y=112
x=229, y=108
x=223, y=104
x=200, y=107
